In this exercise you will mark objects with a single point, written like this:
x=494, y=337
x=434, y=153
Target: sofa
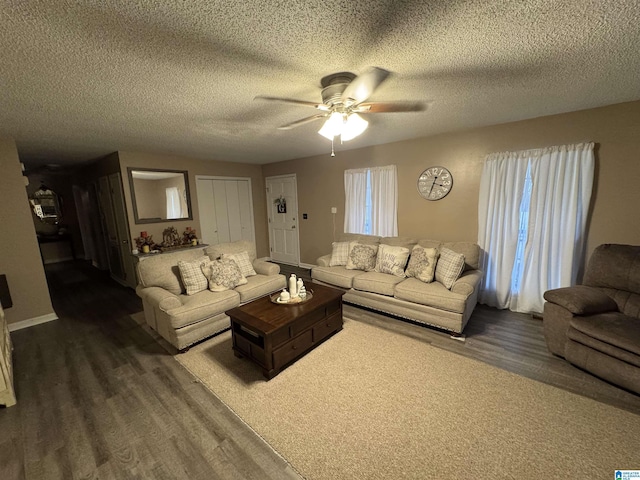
x=431, y=303
x=596, y=325
x=184, y=317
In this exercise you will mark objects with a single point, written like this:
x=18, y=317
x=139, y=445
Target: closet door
x=226, y=209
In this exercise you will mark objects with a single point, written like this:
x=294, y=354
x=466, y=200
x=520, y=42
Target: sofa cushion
x=471, y=252
x=422, y=263
x=449, y=267
x=375, y=282
x=243, y=262
x=339, y=253
x=202, y=305
x=613, y=328
x=427, y=243
x=406, y=242
x=193, y=279
x=162, y=270
x=216, y=251
x=360, y=238
x=362, y=257
x=338, y=276
x=223, y=274
x=581, y=300
x=392, y=260
x=432, y=294
x=260, y=285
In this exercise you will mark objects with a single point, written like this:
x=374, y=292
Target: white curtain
x=380, y=185
x=384, y=201
x=355, y=203
x=173, y=203
x=533, y=238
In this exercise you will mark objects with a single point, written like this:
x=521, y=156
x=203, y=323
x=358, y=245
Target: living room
x=462, y=148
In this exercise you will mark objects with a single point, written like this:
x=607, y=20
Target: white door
x=282, y=207
x=226, y=209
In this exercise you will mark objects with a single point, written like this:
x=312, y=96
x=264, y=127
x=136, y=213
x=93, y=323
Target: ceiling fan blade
x=297, y=123
x=363, y=85
x=319, y=106
x=388, y=107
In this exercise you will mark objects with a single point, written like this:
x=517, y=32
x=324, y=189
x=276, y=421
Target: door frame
x=297, y=235
x=220, y=177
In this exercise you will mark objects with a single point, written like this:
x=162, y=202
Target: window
x=532, y=214
x=371, y=201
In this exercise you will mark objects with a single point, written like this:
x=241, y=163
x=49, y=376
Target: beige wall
x=615, y=129
x=196, y=167
x=19, y=255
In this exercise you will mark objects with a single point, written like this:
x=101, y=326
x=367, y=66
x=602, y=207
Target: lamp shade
x=332, y=127
x=347, y=126
x=353, y=127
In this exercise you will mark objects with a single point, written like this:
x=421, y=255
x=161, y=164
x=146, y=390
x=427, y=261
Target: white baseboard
x=32, y=322
x=306, y=265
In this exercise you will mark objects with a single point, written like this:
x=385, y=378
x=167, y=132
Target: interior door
x=282, y=206
x=122, y=229
x=226, y=209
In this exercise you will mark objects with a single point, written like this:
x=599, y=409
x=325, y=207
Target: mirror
x=159, y=195
x=46, y=204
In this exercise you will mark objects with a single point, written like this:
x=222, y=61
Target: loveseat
x=439, y=291
x=596, y=325
x=179, y=303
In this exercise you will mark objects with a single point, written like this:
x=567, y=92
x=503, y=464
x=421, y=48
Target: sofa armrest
x=263, y=267
x=324, y=260
x=467, y=283
x=581, y=300
x=159, y=297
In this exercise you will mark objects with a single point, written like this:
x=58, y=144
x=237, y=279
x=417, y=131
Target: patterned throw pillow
x=340, y=254
x=243, y=261
x=449, y=267
x=192, y=276
x=392, y=260
x=223, y=274
x=422, y=264
x=362, y=257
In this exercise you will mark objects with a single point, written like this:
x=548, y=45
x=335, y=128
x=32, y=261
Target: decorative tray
x=294, y=301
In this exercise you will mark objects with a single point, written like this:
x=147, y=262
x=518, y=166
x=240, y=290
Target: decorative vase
x=293, y=285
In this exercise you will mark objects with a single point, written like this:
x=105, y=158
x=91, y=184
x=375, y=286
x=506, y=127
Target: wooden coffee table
x=274, y=336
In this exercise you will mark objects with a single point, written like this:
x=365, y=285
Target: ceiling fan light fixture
x=333, y=126
x=353, y=127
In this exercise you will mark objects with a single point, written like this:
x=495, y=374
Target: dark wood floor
x=99, y=398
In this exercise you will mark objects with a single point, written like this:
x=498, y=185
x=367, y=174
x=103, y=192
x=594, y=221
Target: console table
x=7, y=394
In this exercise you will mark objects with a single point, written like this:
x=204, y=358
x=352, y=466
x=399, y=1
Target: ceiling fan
x=343, y=99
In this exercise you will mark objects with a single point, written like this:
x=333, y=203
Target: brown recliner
x=596, y=325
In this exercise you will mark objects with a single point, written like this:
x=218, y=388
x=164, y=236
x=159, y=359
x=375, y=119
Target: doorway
x=282, y=208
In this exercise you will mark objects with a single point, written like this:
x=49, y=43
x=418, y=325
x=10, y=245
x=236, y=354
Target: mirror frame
x=139, y=220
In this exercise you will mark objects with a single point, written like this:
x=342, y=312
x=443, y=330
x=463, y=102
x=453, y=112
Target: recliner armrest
x=581, y=300
x=265, y=268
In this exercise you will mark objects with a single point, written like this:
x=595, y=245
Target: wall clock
x=435, y=183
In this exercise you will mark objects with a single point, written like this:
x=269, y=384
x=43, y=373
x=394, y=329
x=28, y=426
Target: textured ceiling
x=80, y=79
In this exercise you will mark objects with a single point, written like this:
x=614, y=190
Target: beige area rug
x=370, y=404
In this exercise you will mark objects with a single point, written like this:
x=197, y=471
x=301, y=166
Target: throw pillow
x=223, y=274
x=243, y=261
x=192, y=276
x=362, y=257
x=422, y=264
x=449, y=267
x=392, y=260
x=339, y=254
